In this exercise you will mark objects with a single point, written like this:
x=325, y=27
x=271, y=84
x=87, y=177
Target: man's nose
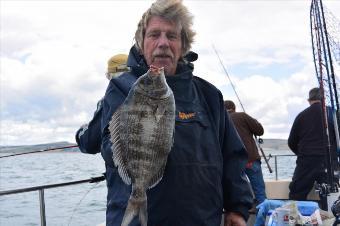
x=163, y=41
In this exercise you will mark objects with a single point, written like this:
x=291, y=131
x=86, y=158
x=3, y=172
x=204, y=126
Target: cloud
x=54, y=54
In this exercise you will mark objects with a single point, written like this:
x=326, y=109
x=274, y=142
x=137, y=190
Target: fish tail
x=143, y=213
x=136, y=207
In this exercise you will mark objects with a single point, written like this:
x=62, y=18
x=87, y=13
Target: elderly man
x=204, y=174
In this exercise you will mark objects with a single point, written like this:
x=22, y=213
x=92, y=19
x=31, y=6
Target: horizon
x=74, y=143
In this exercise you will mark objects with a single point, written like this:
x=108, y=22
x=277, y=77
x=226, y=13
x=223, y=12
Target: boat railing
x=42, y=188
x=275, y=156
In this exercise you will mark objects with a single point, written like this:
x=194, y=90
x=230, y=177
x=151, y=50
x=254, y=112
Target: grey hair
x=171, y=10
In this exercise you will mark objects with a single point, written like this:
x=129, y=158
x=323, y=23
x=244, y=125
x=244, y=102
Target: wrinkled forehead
x=163, y=23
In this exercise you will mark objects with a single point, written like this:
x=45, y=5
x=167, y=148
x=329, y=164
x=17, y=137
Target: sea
x=81, y=204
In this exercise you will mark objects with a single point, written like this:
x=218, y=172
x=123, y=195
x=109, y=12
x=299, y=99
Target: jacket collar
x=136, y=62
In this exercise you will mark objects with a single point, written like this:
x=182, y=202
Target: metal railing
x=42, y=188
x=276, y=163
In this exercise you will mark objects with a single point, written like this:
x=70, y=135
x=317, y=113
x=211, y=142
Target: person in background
x=248, y=127
x=88, y=136
x=116, y=66
x=307, y=139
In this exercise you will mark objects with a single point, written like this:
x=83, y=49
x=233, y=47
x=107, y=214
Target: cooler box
x=306, y=208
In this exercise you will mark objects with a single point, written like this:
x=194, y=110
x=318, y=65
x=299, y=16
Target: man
x=248, y=127
x=205, y=168
x=307, y=139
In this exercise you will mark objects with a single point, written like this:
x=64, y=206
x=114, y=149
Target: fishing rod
x=333, y=93
x=333, y=98
x=325, y=75
x=44, y=150
x=257, y=141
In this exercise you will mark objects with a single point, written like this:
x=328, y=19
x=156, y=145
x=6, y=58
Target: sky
x=54, y=57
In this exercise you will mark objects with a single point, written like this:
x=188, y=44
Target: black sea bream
x=142, y=135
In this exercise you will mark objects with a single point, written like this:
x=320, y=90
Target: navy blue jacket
x=205, y=168
x=88, y=136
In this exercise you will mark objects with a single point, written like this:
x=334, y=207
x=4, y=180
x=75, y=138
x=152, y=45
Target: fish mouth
x=156, y=70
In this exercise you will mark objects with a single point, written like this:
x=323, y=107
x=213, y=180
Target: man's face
x=162, y=45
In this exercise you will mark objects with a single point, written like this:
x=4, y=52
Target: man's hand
x=234, y=219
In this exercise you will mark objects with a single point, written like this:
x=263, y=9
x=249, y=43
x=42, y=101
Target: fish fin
x=157, y=177
x=173, y=137
x=117, y=150
x=134, y=208
x=159, y=112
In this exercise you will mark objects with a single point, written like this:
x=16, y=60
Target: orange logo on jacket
x=183, y=115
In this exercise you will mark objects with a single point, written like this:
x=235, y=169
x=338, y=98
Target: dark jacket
x=247, y=127
x=205, y=168
x=88, y=136
x=307, y=136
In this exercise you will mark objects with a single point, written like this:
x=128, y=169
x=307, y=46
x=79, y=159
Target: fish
x=142, y=134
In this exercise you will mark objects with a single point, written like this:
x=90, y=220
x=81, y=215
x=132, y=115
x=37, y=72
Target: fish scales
x=141, y=133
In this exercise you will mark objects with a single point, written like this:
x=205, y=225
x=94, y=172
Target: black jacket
x=205, y=168
x=307, y=135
